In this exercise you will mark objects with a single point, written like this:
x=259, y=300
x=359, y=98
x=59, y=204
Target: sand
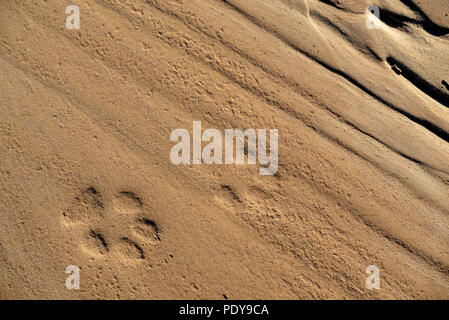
x=85, y=171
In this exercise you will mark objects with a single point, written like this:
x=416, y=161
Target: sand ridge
x=86, y=177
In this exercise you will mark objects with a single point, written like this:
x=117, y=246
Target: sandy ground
x=86, y=177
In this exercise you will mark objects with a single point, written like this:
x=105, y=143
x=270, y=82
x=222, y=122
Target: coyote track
x=115, y=225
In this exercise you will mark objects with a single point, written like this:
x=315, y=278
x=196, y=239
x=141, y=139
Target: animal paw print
x=117, y=225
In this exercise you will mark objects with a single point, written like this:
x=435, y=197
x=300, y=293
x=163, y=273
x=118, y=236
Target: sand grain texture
x=86, y=179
